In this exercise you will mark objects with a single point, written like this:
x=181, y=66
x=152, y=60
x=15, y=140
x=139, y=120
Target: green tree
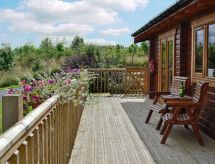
x=77, y=44
x=47, y=48
x=6, y=58
x=132, y=49
x=60, y=46
x=144, y=46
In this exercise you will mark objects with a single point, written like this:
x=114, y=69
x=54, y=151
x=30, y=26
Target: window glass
x=211, y=50
x=170, y=57
x=164, y=67
x=199, y=45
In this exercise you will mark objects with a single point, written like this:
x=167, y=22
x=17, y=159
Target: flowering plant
x=71, y=86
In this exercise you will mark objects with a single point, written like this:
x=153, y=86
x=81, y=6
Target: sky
x=97, y=21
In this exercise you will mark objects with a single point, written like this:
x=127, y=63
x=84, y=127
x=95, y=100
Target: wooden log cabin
x=182, y=43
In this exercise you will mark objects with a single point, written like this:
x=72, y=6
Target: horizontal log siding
x=183, y=50
x=207, y=115
x=154, y=43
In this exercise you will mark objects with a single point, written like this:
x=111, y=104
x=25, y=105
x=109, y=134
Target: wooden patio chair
x=162, y=108
x=190, y=117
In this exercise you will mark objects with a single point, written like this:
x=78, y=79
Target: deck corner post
x=12, y=110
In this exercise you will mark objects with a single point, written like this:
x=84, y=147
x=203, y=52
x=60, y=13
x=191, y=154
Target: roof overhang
x=172, y=17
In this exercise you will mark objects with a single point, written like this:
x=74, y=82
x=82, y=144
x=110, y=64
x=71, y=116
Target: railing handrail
x=106, y=69
x=13, y=135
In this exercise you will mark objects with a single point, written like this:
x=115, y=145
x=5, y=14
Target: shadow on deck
x=113, y=131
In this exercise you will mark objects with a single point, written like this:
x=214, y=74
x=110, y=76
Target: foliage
x=132, y=50
x=78, y=61
x=144, y=46
x=36, y=66
x=0, y=116
x=71, y=86
x=6, y=58
x=77, y=44
x=51, y=55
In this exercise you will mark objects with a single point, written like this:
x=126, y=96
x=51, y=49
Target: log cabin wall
x=183, y=55
x=152, y=56
x=183, y=50
x=207, y=115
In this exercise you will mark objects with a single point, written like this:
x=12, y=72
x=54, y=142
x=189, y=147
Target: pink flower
x=27, y=88
x=51, y=81
x=35, y=98
x=67, y=81
x=10, y=91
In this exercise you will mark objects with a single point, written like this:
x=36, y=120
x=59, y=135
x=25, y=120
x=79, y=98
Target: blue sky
x=97, y=21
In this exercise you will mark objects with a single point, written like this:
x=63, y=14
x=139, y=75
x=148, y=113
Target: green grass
x=0, y=117
x=12, y=86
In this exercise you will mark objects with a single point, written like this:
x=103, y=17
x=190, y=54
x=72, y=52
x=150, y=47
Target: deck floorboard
x=113, y=131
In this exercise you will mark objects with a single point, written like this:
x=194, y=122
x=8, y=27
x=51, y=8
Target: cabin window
x=211, y=50
x=199, y=48
x=204, y=51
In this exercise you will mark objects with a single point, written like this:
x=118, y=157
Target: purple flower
x=10, y=91
x=76, y=70
x=50, y=81
x=27, y=88
x=25, y=98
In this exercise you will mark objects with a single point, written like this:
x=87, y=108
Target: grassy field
x=0, y=117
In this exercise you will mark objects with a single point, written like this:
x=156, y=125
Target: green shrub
x=8, y=81
x=36, y=66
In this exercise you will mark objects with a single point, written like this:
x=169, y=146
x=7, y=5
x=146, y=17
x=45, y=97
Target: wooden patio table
x=187, y=104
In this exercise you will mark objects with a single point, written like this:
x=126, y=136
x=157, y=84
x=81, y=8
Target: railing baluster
x=23, y=153
x=46, y=155
x=52, y=142
x=36, y=145
x=42, y=146
x=14, y=159
x=56, y=134
x=31, y=148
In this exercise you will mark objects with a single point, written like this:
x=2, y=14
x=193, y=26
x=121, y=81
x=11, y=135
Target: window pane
x=170, y=53
x=199, y=50
x=211, y=50
x=164, y=64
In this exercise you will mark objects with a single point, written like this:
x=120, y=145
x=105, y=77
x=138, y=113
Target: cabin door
x=166, y=63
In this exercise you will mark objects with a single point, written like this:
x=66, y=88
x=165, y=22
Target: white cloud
x=68, y=18
x=11, y=15
x=99, y=41
x=78, y=11
x=115, y=32
x=50, y=29
x=127, y=5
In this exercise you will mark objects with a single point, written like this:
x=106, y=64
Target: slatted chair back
x=199, y=91
x=176, y=84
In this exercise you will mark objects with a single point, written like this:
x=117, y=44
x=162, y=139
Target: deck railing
x=44, y=136
x=120, y=80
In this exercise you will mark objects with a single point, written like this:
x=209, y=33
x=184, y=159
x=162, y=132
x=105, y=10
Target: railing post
x=12, y=110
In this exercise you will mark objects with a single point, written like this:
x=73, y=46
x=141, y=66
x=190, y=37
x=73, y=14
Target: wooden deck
x=113, y=131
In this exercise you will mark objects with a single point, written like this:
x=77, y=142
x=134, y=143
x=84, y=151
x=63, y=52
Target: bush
x=8, y=81
x=78, y=61
x=36, y=66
